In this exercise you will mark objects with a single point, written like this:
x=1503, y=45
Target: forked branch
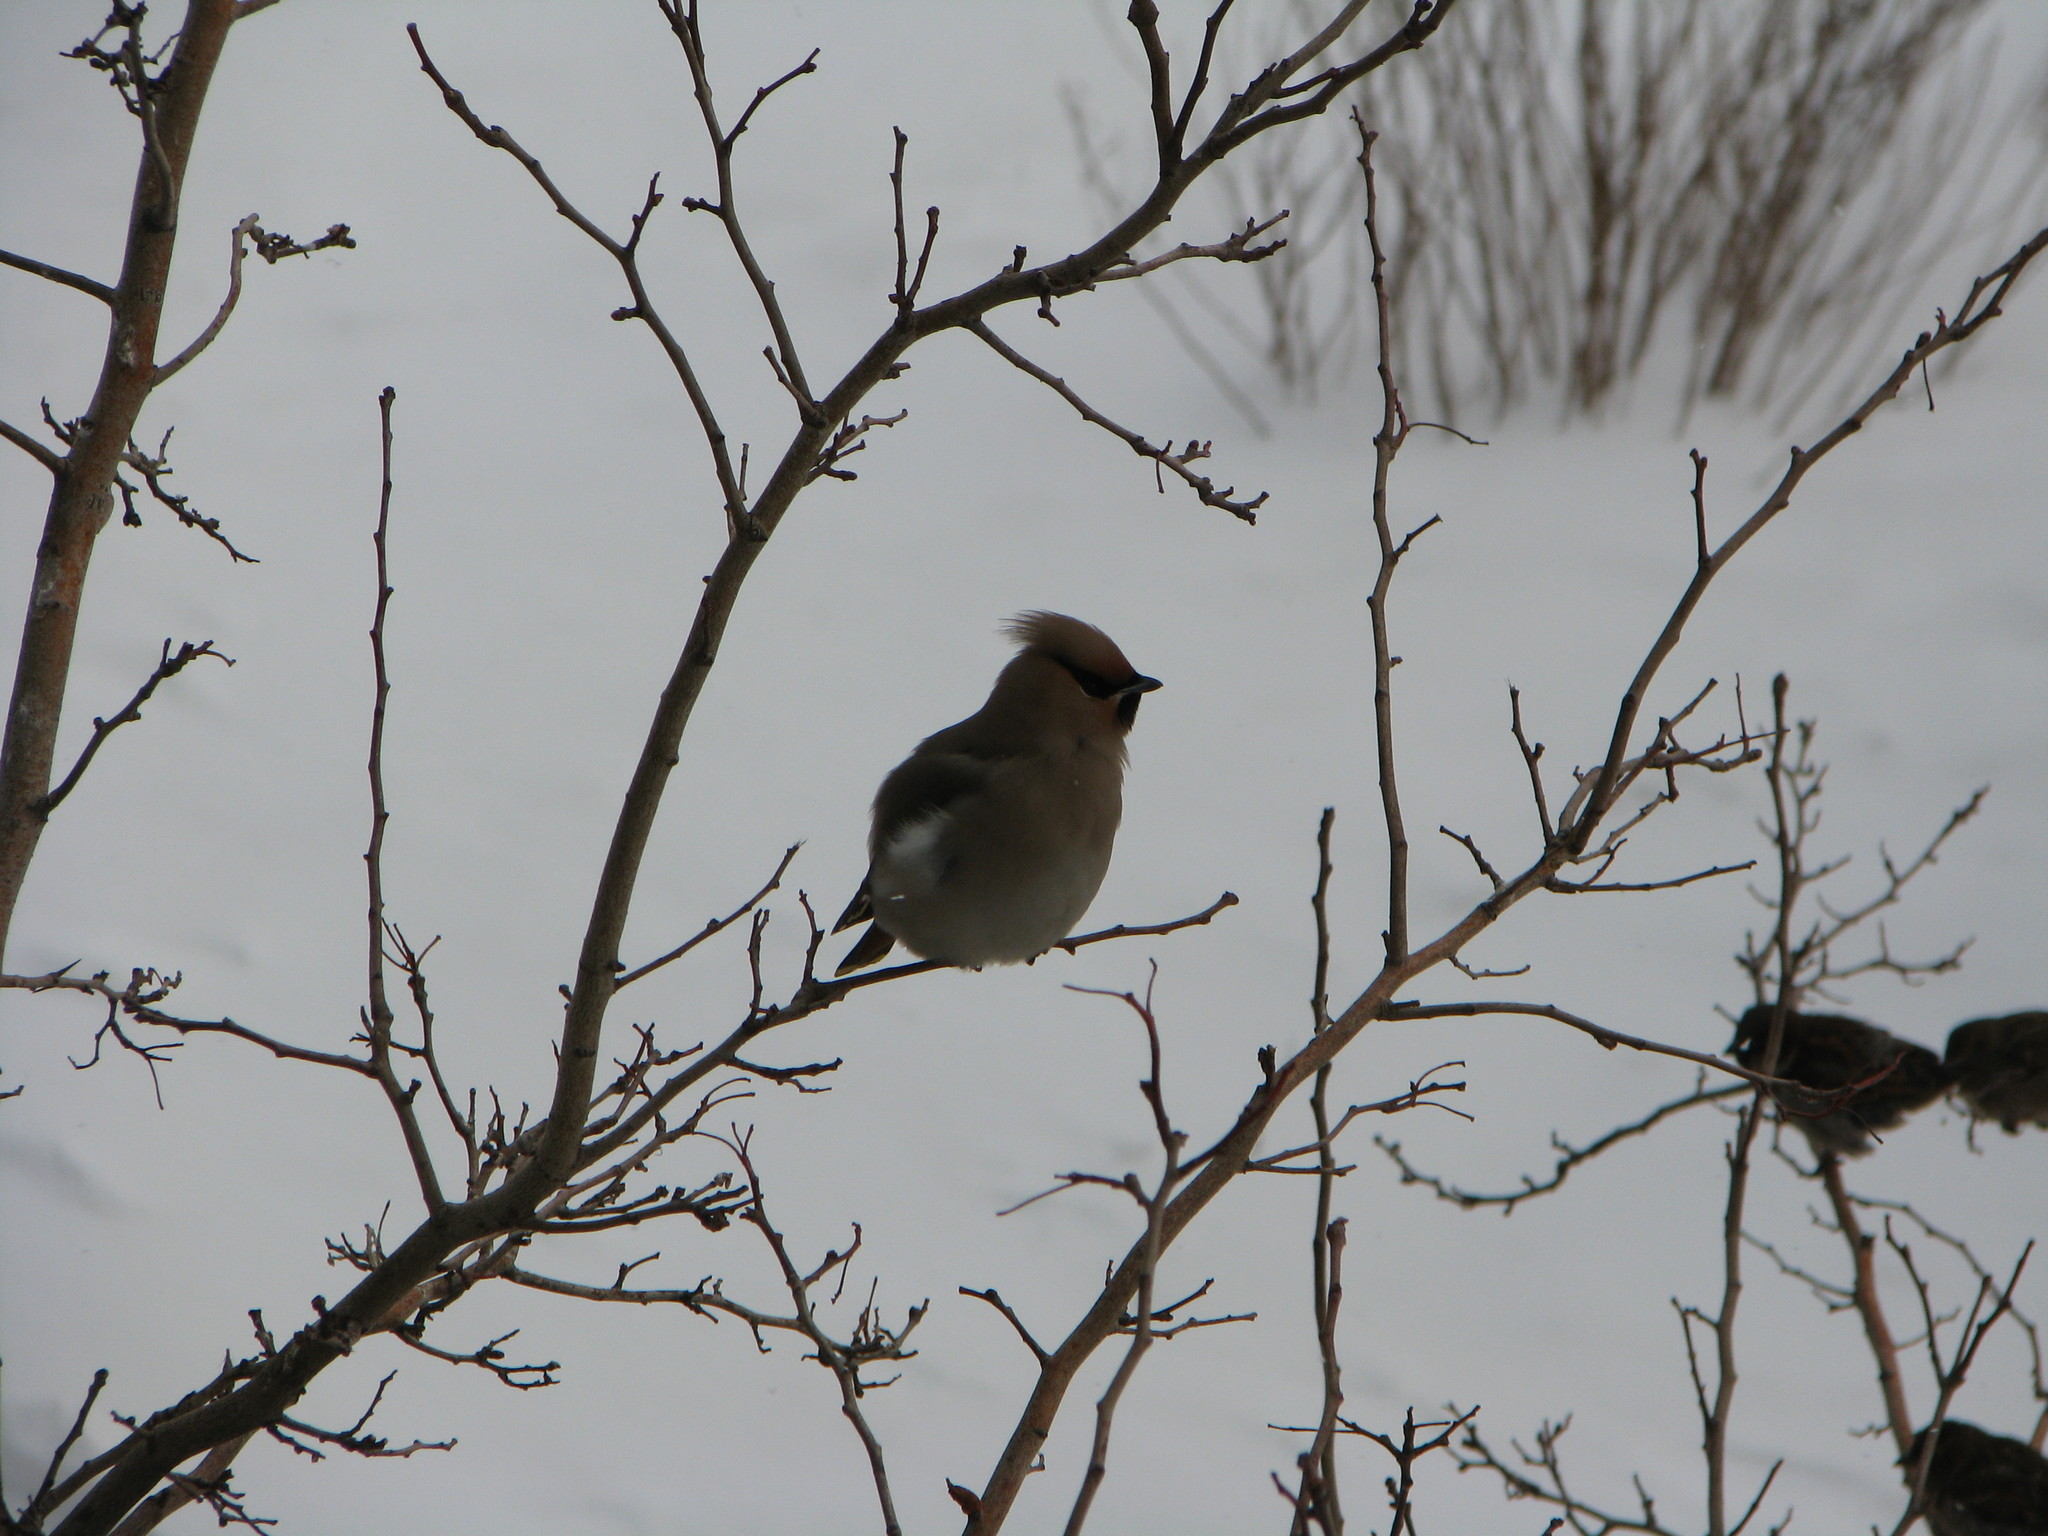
x=168, y=666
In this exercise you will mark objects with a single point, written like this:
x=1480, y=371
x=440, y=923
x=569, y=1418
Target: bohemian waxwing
x=1829, y=1053
x=2001, y=1068
x=990, y=840
x=1981, y=1484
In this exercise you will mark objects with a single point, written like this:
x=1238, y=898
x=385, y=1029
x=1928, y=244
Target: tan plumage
x=990, y=840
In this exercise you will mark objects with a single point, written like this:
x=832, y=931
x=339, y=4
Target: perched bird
x=2001, y=1068
x=1831, y=1054
x=990, y=840
x=1981, y=1484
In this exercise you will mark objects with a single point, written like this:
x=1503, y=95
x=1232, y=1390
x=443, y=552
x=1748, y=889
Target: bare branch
x=1151, y=1245
x=1416, y=1097
x=871, y=1340
x=93, y=286
x=642, y=307
x=1316, y=1495
x=1229, y=1155
x=1949, y=1378
x=273, y=249
x=1144, y=19
x=717, y=924
x=155, y=469
x=1608, y=1038
x=1531, y=757
x=146, y=988
x=1540, y=1476
x=486, y=1356
x=411, y=963
x=994, y=1299
x=352, y=1439
x=812, y=995
x=1316, y=1501
x=1981, y=307
x=1976, y=1267
x=849, y=439
x=1165, y=457
x=1581, y=887
x=1699, y=503
x=1200, y=80
x=1149, y=930
x=207, y=1482
x=49, y=458
x=904, y=294
x=682, y=19
x=378, y=1020
x=1234, y=247
x=1401, y=1490
x=707, y=1299
x=1242, y=119
x=1386, y=443
x=809, y=66
x=1716, y=1418
x=167, y=666
x=1570, y=1157
x=42, y=1500
x=1478, y=858
x=1896, y=878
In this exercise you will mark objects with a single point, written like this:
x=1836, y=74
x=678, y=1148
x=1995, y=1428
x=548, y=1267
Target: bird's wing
x=925, y=785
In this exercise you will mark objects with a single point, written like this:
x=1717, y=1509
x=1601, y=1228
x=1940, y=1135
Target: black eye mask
x=1094, y=684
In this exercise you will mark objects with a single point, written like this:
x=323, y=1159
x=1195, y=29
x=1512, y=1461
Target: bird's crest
x=1072, y=643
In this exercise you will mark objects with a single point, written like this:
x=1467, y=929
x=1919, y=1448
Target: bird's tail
x=858, y=910
x=874, y=944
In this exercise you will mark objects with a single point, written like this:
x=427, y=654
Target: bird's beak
x=1138, y=685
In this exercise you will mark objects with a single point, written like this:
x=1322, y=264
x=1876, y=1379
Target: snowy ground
x=551, y=524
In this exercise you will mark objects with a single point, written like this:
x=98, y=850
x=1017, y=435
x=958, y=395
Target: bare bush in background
x=1578, y=183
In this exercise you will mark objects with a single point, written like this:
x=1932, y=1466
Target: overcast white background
x=552, y=521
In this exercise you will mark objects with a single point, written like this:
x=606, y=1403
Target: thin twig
x=1151, y=1244
x=87, y=285
x=844, y=1364
x=379, y=1018
x=717, y=924
x=146, y=988
x=1318, y=1494
x=1386, y=443
x=41, y=1500
x=1236, y=247
x=626, y=255
x=994, y=1299
x=682, y=20
x=167, y=666
x=1608, y=1038
x=1569, y=1156
x=272, y=248
x=49, y=458
x=1164, y=456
